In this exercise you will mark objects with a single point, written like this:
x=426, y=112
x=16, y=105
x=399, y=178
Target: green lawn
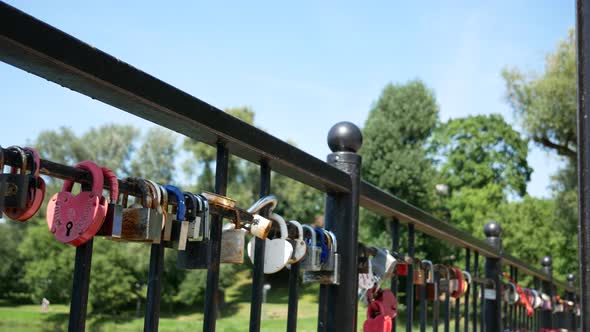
x=235, y=318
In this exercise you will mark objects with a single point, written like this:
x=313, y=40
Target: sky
x=301, y=65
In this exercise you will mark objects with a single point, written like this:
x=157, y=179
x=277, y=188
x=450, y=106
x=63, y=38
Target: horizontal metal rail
x=42, y=50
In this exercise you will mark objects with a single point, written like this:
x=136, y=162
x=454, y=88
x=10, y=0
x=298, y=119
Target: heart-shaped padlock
x=299, y=246
x=376, y=320
x=277, y=252
x=35, y=195
x=75, y=219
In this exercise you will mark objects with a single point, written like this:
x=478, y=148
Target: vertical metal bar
x=259, y=248
x=342, y=216
x=212, y=292
x=436, y=302
x=547, y=287
x=583, y=148
x=493, y=268
x=466, y=301
x=293, y=298
x=395, y=248
x=152, y=310
x=482, y=305
x=447, y=310
x=537, y=284
x=423, y=307
x=457, y=314
x=475, y=273
x=79, y=302
x=511, y=307
x=410, y=280
x=571, y=297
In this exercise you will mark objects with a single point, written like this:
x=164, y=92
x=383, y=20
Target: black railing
x=45, y=51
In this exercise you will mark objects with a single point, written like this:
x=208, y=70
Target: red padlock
x=377, y=320
x=35, y=195
x=460, y=290
x=386, y=297
x=75, y=219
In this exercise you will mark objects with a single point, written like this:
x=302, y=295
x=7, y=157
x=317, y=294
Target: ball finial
x=571, y=277
x=345, y=136
x=546, y=261
x=492, y=229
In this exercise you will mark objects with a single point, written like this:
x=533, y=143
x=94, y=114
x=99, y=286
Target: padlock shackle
x=313, y=239
x=114, y=183
x=262, y=203
x=180, y=207
x=36, y=160
x=156, y=193
x=96, y=174
x=467, y=276
x=428, y=266
x=146, y=197
x=334, y=240
x=23, y=156
x=204, y=209
x=191, y=202
x=282, y=225
x=299, y=229
x=511, y=297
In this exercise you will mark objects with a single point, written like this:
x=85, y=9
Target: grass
x=236, y=318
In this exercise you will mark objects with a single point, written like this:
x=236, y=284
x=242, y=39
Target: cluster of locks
x=164, y=214
x=433, y=281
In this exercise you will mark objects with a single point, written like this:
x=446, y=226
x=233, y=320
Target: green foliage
x=476, y=151
x=156, y=157
x=546, y=103
x=395, y=134
x=471, y=208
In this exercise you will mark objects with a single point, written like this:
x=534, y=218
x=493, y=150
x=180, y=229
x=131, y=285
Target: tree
x=395, y=135
x=476, y=151
x=395, y=155
x=155, y=159
x=546, y=103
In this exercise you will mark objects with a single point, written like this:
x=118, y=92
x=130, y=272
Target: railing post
x=341, y=217
x=493, y=307
x=547, y=288
x=571, y=296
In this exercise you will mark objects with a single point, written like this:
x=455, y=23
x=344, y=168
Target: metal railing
x=42, y=50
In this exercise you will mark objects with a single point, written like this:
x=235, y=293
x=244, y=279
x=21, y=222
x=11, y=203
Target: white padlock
x=277, y=252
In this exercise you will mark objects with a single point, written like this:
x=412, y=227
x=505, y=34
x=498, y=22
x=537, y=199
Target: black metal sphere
x=546, y=261
x=492, y=229
x=571, y=277
x=345, y=136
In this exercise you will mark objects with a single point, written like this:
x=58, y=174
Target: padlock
x=197, y=252
x=192, y=205
x=428, y=269
x=363, y=259
x=269, y=201
x=510, y=294
x=299, y=246
x=75, y=219
x=113, y=222
x=559, y=306
x=312, y=259
x=277, y=252
x=232, y=244
x=366, y=280
x=444, y=281
x=176, y=219
x=419, y=275
x=158, y=214
x=538, y=301
x=136, y=225
x=386, y=297
x=14, y=186
x=383, y=263
x=329, y=274
x=205, y=218
x=456, y=283
x=36, y=192
x=376, y=320
x=467, y=280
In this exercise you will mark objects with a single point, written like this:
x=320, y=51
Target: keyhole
x=69, y=226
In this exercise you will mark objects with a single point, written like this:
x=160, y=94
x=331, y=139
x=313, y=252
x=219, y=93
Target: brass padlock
x=136, y=222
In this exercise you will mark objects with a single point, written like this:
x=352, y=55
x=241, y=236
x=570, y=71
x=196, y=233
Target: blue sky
x=301, y=65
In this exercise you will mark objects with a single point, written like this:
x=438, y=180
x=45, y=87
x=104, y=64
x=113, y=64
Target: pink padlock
x=75, y=219
x=377, y=320
x=36, y=193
